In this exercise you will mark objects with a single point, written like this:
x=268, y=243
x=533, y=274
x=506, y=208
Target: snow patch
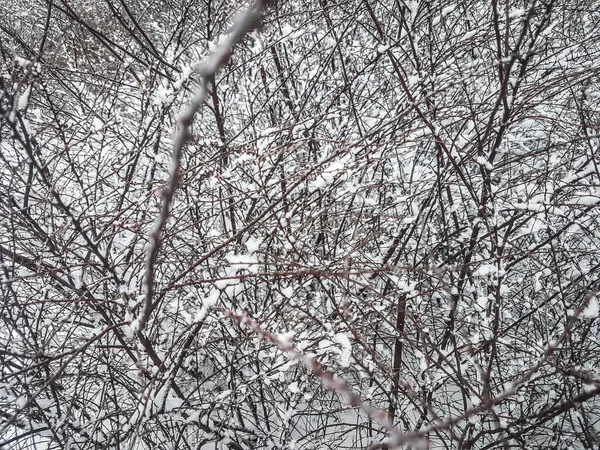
x=346, y=352
x=592, y=310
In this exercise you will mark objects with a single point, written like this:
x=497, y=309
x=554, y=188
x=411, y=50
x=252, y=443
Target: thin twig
x=207, y=70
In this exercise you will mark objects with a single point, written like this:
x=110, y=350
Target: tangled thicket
x=383, y=228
